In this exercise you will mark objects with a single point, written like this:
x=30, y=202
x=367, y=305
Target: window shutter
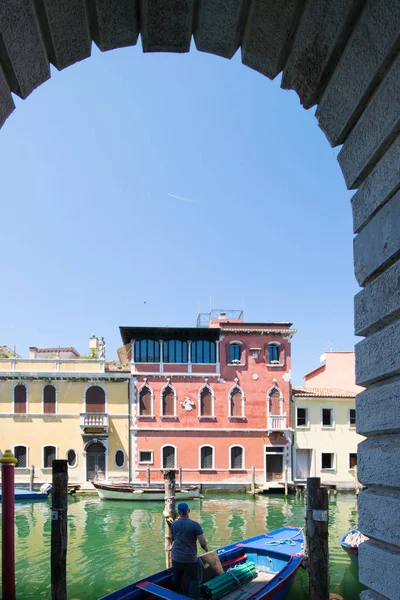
x=49, y=400
x=20, y=399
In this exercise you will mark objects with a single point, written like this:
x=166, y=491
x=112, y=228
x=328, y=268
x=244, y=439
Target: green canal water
x=113, y=543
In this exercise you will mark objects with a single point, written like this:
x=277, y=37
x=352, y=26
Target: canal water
x=113, y=543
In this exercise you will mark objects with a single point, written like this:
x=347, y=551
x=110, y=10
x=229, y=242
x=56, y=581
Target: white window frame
x=147, y=462
x=47, y=446
x=240, y=363
x=94, y=384
x=350, y=425
x=333, y=423
x=55, y=387
x=212, y=468
x=27, y=399
x=27, y=454
x=175, y=455
x=76, y=458
x=243, y=415
x=145, y=385
x=307, y=409
x=212, y=416
x=168, y=384
x=115, y=458
x=243, y=467
x=333, y=468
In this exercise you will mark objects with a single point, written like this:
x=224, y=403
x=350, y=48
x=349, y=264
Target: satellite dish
x=322, y=358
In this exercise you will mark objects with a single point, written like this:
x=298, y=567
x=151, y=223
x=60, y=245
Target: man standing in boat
x=186, y=533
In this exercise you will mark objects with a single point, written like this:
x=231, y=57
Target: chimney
x=33, y=352
x=222, y=315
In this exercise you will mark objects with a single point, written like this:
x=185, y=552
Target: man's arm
x=202, y=542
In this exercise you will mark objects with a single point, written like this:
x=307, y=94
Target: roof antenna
x=210, y=305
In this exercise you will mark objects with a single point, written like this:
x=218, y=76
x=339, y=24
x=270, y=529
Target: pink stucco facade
x=338, y=371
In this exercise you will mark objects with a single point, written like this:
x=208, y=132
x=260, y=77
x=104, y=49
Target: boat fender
x=46, y=488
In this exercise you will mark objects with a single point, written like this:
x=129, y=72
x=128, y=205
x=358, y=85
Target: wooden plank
x=160, y=592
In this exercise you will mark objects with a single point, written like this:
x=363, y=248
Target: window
x=352, y=460
x=168, y=402
x=145, y=457
x=327, y=417
x=49, y=454
x=236, y=457
x=236, y=398
x=327, y=460
x=235, y=351
x=119, y=458
x=72, y=458
x=20, y=453
x=95, y=399
x=352, y=417
x=203, y=351
x=49, y=400
x=206, y=457
x=206, y=402
x=147, y=351
x=302, y=417
x=20, y=399
x=275, y=401
x=168, y=457
x=273, y=353
x=175, y=351
x=145, y=402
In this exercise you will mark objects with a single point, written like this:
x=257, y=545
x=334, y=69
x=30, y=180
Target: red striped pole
x=8, y=462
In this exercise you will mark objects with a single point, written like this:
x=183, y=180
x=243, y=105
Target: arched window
x=175, y=351
x=206, y=457
x=168, y=457
x=236, y=457
x=95, y=399
x=206, y=402
x=236, y=402
x=119, y=458
x=273, y=352
x=72, y=458
x=49, y=400
x=203, y=352
x=21, y=454
x=145, y=401
x=235, y=352
x=168, y=401
x=49, y=454
x=275, y=401
x=20, y=403
x=147, y=351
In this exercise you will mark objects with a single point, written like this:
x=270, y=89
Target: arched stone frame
x=56, y=390
x=25, y=384
x=275, y=388
x=236, y=386
x=145, y=385
x=27, y=454
x=277, y=345
x=162, y=455
x=206, y=386
x=103, y=442
x=242, y=345
x=168, y=385
x=124, y=466
x=42, y=453
x=243, y=467
x=76, y=458
x=212, y=468
x=91, y=384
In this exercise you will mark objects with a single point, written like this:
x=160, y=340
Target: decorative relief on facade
x=188, y=404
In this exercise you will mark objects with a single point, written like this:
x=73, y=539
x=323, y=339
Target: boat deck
x=251, y=587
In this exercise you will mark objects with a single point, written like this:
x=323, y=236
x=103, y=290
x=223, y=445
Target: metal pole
x=169, y=513
x=8, y=462
x=59, y=531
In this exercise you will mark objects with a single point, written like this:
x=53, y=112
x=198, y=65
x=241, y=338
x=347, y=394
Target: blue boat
x=276, y=556
x=351, y=549
x=27, y=495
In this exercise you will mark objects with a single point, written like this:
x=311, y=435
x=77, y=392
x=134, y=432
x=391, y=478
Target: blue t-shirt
x=185, y=532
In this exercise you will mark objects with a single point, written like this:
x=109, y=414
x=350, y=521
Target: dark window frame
x=18, y=466
x=298, y=424
x=352, y=455
x=146, y=462
x=203, y=352
x=75, y=462
x=46, y=458
x=147, y=351
x=119, y=452
x=175, y=352
x=352, y=419
x=207, y=458
x=235, y=352
x=165, y=459
x=273, y=353
x=232, y=459
x=331, y=461
x=323, y=419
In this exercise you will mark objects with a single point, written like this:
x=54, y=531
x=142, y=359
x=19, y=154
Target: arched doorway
x=95, y=461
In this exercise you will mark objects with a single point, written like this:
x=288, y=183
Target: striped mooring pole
x=8, y=462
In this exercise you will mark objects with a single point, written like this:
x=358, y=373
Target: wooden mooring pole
x=148, y=475
x=32, y=478
x=180, y=476
x=253, y=480
x=317, y=539
x=59, y=531
x=169, y=513
x=286, y=480
x=8, y=462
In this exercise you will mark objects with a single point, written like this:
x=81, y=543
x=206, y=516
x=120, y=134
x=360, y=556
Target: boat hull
x=352, y=551
x=142, y=495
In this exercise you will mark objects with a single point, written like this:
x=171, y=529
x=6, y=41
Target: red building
x=213, y=399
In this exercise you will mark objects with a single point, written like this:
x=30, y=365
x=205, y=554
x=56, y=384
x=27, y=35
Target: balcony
x=276, y=423
x=94, y=422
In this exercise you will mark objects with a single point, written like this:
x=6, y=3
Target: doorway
x=95, y=462
x=303, y=463
x=274, y=463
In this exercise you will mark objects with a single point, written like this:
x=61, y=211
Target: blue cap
x=183, y=508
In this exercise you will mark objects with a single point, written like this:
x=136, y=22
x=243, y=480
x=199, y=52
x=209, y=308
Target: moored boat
x=120, y=491
x=350, y=543
x=271, y=561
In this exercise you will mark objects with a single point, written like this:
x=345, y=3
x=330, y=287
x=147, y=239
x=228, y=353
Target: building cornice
x=60, y=375
x=287, y=333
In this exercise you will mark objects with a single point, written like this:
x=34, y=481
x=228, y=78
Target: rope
x=285, y=541
x=235, y=578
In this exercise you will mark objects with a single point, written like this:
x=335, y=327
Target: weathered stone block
x=379, y=462
x=319, y=40
x=378, y=356
x=378, y=244
x=270, y=27
x=6, y=101
x=66, y=31
x=219, y=26
x=382, y=525
x=378, y=304
x=379, y=186
x=370, y=595
x=379, y=568
x=361, y=67
x=375, y=130
x=386, y=419
x=166, y=26
x=22, y=52
x=115, y=24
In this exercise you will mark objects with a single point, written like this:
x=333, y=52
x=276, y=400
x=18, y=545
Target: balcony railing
x=277, y=423
x=94, y=421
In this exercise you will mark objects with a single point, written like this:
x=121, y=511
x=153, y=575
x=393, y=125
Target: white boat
x=131, y=491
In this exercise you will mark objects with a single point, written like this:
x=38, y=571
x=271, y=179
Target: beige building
x=57, y=404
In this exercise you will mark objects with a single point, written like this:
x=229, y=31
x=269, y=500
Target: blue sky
x=93, y=236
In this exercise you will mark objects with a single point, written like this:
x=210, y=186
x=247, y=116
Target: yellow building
x=57, y=404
